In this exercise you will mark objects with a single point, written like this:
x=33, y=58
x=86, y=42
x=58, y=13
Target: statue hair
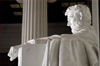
x=83, y=11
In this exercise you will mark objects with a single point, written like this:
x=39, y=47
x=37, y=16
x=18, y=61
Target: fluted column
x=95, y=15
x=34, y=23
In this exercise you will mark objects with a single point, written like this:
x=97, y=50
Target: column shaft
x=34, y=23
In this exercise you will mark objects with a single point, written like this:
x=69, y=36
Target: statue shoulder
x=68, y=35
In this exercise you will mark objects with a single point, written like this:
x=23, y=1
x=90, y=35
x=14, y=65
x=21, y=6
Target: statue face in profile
x=70, y=18
x=74, y=19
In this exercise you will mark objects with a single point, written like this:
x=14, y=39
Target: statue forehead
x=71, y=13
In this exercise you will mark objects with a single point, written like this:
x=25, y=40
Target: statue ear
x=80, y=15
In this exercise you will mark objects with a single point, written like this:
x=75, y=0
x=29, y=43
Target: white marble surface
x=32, y=55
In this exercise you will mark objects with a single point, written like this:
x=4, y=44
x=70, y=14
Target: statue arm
x=13, y=52
x=44, y=39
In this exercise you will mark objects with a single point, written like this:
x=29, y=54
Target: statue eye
x=70, y=16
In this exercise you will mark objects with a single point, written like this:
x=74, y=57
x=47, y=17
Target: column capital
x=50, y=1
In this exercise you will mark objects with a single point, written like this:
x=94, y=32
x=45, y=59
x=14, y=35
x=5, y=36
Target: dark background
x=55, y=11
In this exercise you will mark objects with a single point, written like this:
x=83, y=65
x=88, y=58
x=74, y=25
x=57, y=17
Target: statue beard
x=76, y=26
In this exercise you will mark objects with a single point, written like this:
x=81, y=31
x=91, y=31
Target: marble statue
x=77, y=49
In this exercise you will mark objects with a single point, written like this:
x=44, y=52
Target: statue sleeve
x=13, y=52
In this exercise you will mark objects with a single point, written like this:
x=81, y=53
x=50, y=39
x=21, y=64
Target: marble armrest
x=31, y=55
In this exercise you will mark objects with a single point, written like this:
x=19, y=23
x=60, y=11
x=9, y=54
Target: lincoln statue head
x=78, y=16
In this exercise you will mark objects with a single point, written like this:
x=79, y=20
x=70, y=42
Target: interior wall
x=10, y=35
x=58, y=28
